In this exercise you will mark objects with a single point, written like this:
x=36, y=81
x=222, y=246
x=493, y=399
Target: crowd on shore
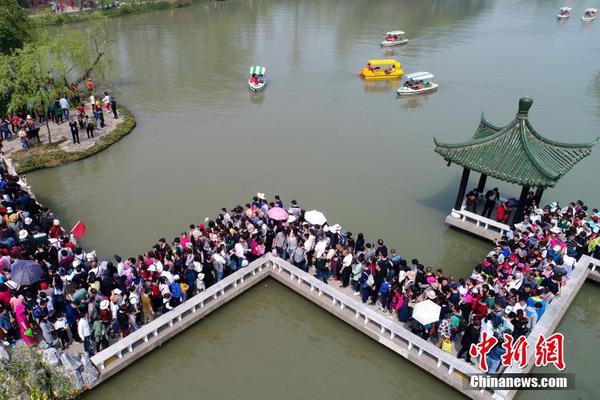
x=88, y=117
x=78, y=297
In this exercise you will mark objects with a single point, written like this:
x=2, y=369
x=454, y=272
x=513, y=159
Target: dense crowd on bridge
x=78, y=297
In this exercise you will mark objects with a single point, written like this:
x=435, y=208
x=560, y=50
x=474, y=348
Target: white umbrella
x=315, y=217
x=426, y=312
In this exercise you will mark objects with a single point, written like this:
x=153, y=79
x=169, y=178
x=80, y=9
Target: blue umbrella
x=26, y=272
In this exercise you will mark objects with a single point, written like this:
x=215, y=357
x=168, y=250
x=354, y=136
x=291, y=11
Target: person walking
x=74, y=131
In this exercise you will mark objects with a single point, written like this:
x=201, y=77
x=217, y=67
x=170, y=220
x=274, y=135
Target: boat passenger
x=391, y=69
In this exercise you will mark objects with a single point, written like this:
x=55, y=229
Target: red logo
x=482, y=349
x=548, y=350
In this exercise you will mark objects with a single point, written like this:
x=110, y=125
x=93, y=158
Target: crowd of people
x=79, y=297
x=86, y=117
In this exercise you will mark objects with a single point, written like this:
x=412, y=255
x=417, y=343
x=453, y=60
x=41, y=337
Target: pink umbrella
x=278, y=214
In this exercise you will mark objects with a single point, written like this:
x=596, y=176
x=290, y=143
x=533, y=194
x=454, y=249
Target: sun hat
x=330, y=254
x=9, y=210
x=28, y=221
x=508, y=310
x=104, y=304
x=431, y=294
x=555, y=229
x=116, y=291
x=13, y=218
x=23, y=234
x=260, y=195
x=401, y=276
x=292, y=218
x=56, y=222
x=197, y=266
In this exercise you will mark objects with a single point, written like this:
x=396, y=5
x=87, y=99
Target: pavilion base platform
x=477, y=225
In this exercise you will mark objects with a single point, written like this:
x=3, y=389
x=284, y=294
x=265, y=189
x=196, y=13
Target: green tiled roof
x=515, y=153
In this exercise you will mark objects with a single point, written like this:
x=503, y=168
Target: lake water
x=323, y=136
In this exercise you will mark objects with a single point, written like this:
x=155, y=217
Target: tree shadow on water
x=442, y=198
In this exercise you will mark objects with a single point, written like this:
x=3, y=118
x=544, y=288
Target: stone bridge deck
x=366, y=319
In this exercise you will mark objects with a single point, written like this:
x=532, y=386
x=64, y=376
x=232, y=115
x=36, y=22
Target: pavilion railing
x=481, y=221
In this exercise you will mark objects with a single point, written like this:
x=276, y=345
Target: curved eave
x=476, y=140
x=557, y=143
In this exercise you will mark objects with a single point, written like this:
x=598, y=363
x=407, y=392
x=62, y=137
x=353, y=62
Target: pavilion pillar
x=538, y=196
x=481, y=184
x=521, y=207
x=464, y=180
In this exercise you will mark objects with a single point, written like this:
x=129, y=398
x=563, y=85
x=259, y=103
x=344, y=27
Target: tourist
x=24, y=140
x=113, y=107
x=64, y=105
x=84, y=333
x=89, y=127
x=490, y=202
x=74, y=131
x=471, y=336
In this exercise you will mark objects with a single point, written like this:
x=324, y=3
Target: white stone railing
x=161, y=324
x=551, y=317
x=363, y=312
x=480, y=221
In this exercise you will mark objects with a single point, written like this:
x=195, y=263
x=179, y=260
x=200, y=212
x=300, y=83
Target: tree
x=52, y=66
x=28, y=375
x=15, y=26
x=25, y=76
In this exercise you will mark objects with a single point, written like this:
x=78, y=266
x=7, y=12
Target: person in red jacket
x=56, y=231
x=479, y=307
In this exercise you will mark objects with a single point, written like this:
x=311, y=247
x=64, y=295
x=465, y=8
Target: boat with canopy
x=590, y=14
x=564, y=13
x=257, y=79
x=394, y=38
x=417, y=83
x=382, y=69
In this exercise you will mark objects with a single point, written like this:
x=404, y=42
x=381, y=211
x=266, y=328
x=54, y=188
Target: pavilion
x=515, y=153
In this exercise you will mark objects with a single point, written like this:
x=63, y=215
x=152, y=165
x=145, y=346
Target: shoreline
x=50, y=155
x=49, y=18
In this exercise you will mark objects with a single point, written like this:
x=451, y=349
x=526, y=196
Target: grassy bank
x=48, y=17
x=50, y=155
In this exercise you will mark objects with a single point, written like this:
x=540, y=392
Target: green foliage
x=15, y=26
x=51, y=155
x=50, y=18
x=27, y=375
x=44, y=69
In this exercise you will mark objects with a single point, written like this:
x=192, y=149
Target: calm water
x=321, y=135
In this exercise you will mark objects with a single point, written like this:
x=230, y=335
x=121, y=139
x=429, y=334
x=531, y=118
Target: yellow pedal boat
x=382, y=69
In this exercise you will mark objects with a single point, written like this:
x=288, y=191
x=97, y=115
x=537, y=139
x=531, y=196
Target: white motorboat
x=590, y=14
x=417, y=83
x=257, y=80
x=564, y=12
x=394, y=38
